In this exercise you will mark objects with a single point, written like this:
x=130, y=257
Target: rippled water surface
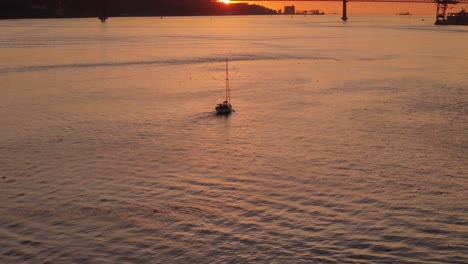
x=349, y=143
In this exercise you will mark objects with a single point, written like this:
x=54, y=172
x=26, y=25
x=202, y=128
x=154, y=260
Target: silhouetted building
x=290, y=10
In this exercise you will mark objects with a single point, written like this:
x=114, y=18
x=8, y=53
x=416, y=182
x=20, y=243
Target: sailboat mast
x=228, y=94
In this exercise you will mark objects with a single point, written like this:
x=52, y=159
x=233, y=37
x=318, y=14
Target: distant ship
x=103, y=18
x=404, y=14
x=316, y=12
x=460, y=18
x=225, y=107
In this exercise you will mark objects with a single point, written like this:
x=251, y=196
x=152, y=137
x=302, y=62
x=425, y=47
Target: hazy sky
x=361, y=7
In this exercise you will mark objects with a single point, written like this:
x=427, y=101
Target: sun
x=224, y=1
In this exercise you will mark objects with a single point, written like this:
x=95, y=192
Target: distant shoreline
x=110, y=17
x=25, y=9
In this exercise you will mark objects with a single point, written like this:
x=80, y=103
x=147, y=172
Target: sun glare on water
x=224, y=1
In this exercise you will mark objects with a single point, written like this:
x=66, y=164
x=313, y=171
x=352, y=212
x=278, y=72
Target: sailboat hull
x=224, y=108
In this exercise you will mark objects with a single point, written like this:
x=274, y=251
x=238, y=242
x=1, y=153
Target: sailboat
x=225, y=107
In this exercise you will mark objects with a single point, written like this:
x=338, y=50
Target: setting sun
x=224, y=1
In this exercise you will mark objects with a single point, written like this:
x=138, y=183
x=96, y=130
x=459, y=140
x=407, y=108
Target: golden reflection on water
x=337, y=152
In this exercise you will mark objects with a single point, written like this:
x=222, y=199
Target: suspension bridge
x=441, y=14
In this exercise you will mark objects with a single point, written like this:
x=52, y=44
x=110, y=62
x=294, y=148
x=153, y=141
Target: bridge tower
x=344, y=17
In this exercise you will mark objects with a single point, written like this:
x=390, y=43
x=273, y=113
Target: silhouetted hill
x=92, y=8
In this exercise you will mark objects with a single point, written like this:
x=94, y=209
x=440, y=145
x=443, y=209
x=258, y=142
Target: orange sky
x=360, y=7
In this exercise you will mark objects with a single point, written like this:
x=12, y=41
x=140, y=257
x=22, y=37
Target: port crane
x=441, y=14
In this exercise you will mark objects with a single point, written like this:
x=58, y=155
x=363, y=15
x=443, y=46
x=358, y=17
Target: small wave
x=73, y=65
x=165, y=61
x=186, y=61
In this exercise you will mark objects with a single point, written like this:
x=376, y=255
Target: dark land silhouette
x=117, y=8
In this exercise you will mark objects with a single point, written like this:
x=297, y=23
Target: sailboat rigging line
x=228, y=94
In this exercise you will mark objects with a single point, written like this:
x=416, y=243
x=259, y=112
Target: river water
x=348, y=144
